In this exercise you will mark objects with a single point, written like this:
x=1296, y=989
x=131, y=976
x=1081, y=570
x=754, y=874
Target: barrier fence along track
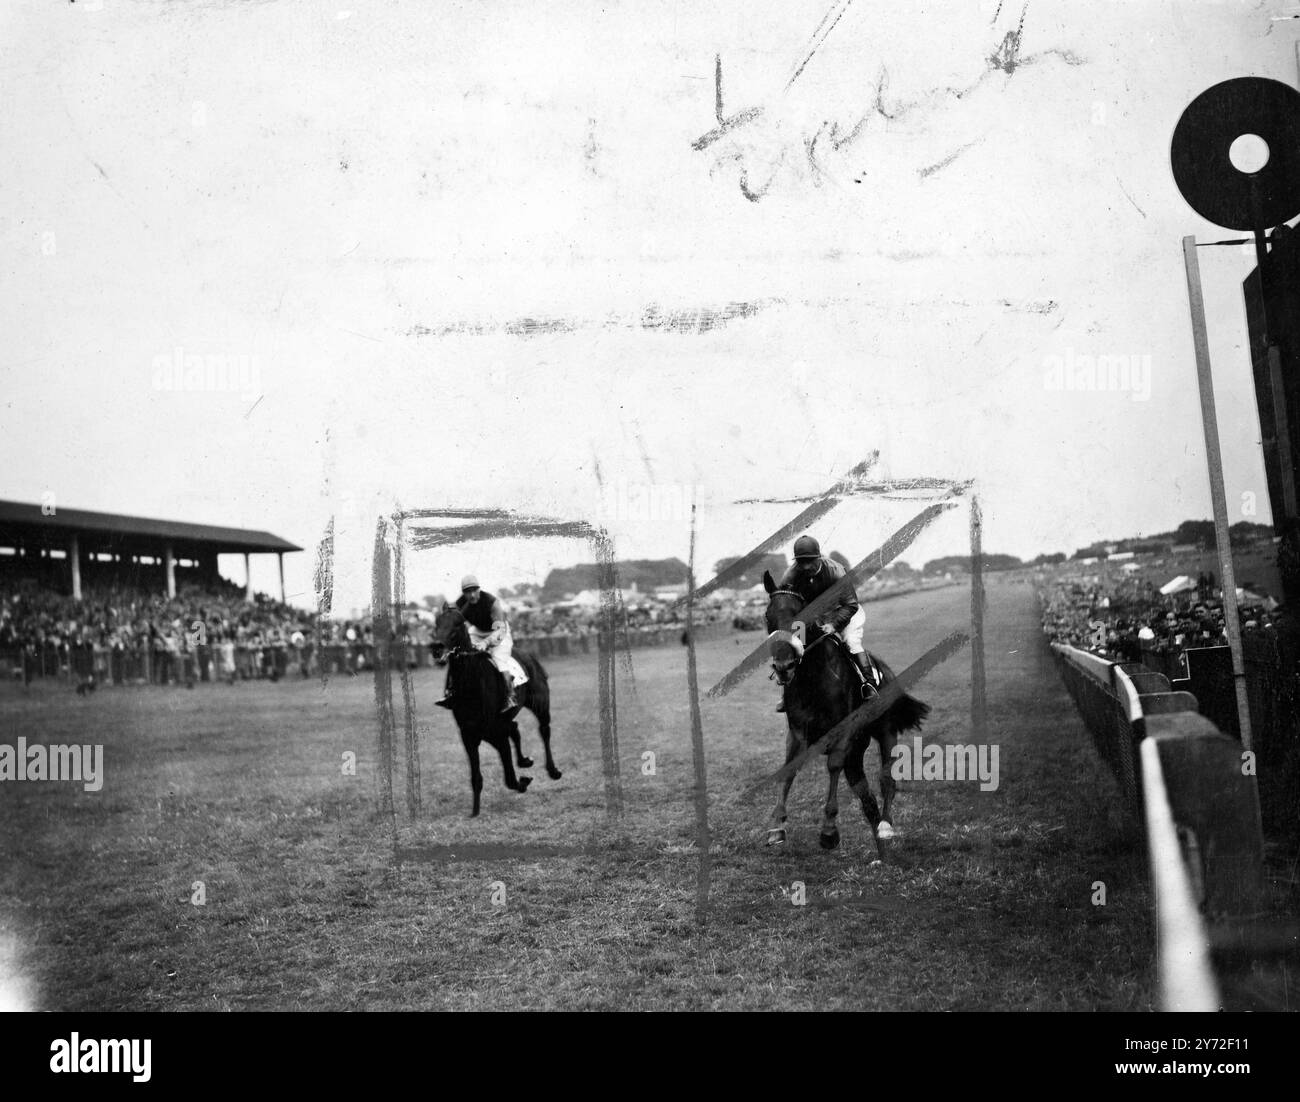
x=1183, y=778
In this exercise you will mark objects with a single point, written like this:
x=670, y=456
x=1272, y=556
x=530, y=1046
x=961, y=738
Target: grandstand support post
x=248, y=578
x=74, y=560
x=280, y=555
x=169, y=562
x=1214, y=461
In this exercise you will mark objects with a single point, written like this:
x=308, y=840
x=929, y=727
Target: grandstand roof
x=16, y=515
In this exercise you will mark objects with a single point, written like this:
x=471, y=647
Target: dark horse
x=478, y=695
x=821, y=686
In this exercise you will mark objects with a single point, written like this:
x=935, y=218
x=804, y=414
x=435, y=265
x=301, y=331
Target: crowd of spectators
x=1127, y=616
x=121, y=634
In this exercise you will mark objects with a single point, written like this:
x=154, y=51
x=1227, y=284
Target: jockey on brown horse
x=489, y=631
x=810, y=576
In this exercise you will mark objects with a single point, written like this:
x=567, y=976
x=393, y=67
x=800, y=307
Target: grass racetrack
x=986, y=903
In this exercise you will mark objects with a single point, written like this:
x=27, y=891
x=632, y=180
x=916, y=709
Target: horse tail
x=908, y=713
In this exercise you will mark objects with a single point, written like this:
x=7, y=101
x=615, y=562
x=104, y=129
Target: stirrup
x=781, y=706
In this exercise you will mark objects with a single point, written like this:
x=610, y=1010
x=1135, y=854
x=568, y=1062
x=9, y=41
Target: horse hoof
x=829, y=841
x=474, y=814
x=776, y=837
x=885, y=832
x=523, y=763
x=524, y=782
x=554, y=774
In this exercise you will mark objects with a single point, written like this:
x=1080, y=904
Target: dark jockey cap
x=805, y=547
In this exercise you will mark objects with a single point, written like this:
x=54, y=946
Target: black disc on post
x=1216, y=118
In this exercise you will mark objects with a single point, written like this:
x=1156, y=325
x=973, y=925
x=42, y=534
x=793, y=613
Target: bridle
x=800, y=646
x=460, y=631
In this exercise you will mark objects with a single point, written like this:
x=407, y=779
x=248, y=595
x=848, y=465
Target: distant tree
x=776, y=563
x=434, y=601
x=1049, y=560
x=647, y=573
x=1244, y=532
x=947, y=564
x=1199, y=532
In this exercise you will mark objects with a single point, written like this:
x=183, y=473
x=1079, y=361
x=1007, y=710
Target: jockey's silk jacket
x=810, y=587
x=483, y=612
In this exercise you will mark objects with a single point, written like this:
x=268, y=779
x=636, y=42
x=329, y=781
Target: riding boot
x=868, y=675
x=511, y=702
x=781, y=707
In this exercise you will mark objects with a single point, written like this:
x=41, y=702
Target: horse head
x=449, y=633
x=785, y=631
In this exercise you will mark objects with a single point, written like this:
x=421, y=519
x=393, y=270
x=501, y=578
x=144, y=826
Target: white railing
x=1182, y=943
x=1185, y=977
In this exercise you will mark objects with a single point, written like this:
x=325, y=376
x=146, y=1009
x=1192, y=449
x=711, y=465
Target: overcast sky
x=467, y=255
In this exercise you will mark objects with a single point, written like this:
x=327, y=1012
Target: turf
x=987, y=903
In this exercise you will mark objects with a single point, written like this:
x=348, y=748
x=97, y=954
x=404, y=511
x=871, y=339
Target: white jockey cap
x=469, y=582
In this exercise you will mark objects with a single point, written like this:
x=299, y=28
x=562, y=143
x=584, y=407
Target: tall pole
x=169, y=565
x=978, y=708
x=1214, y=462
x=697, y=744
x=74, y=556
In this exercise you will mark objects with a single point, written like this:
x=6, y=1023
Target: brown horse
x=821, y=686
x=478, y=696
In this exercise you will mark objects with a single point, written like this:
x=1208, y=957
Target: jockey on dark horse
x=810, y=576
x=489, y=630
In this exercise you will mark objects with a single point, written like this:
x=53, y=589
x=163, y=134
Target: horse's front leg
x=830, y=833
x=776, y=825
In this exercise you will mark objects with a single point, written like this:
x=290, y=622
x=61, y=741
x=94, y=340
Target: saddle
x=868, y=683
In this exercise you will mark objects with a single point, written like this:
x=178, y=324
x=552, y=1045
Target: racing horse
x=820, y=686
x=478, y=695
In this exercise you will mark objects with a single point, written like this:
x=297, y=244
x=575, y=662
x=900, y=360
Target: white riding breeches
x=499, y=652
x=852, y=633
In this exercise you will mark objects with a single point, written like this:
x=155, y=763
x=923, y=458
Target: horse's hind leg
x=888, y=786
x=541, y=708
x=857, y=778
x=515, y=784
x=475, y=771
x=830, y=833
x=516, y=742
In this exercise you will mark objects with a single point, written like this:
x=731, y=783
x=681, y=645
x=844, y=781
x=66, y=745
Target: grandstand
x=63, y=548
